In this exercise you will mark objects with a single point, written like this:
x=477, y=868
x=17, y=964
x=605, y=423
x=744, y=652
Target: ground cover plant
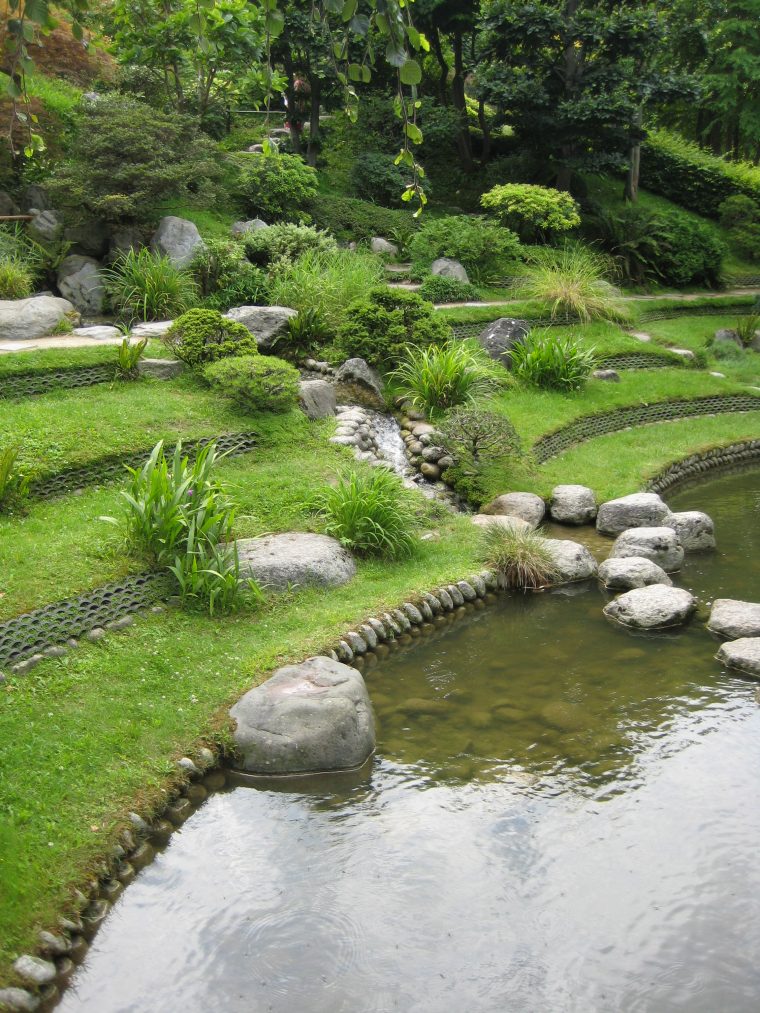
x=255, y=383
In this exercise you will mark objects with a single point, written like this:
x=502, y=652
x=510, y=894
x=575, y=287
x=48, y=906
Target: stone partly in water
x=266, y=323
x=295, y=559
x=317, y=398
x=177, y=239
x=653, y=607
x=28, y=319
x=625, y=573
x=445, y=267
x=358, y=383
x=734, y=619
x=660, y=544
x=742, y=654
x=501, y=521
x=572, y=561
x=307, y=718
x=640, y=509
x=500, y=337
x=525, y=505
x=694, y=529
x=572, y=504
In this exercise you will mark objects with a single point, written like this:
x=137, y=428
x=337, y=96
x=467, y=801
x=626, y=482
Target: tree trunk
x=631, y=189
x=443, y=80
x=485, y=154
x=290, y=95
x=313, y=146
x=572, y=74
x=464, y=142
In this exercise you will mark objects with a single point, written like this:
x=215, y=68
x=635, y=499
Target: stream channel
x=562, y=815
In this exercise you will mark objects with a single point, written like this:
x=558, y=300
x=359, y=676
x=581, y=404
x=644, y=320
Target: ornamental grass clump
x=368, y=512
x=521, y=558
x=16, y=278
x=552, y=362
x=440, y=377
x=571, y=281
x=14, y=484
x=128, y=357
x=143, y=285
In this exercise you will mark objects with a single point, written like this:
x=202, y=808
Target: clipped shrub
x=536, y=213
x=326, y=282
x=349, y=218
x=437, y=289
x=553, y=362
x=143, y=285
x=255, y=382
x=520, y=557
x=16, y=279
x=368, y=512
x=484, y=248
x=226, y=277
x=690, y=251
x=276, y=187
x=376, y=177
x=286, y=241
x=201, y=335
x=571, y=281
x=380, y=326
x=440, y=377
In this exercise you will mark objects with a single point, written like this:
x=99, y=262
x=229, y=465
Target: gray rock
x=89, y=237
x=295, y=559
x=685, y=353
x=28, y=319
x=358, y=383
x=379, y=245
x=572, y=561
x=266, y=323
x=727, y=336
x=525, y=505
x=606, y=374
x=742, y=654
x=660, y=544
x=652, y=608
x=501, y=336
x=307, y=718
x=238, y=229
x=98, y=332
x=467, y=591
x=572, y=504
x=356, y=642
x=625, y=573
x=161, y=369
x=54, y=944
x=18, y=1000
x=640, y=509
x=46, y=227
x=81, y=282
x=35, y=198
x=694, y=529
x=151, y=329
x=445, y=267
x=124, y=239
x=317, y=398
x=8, y=206
x=734, y=619
x=35, y=970
x=177, y=239
x=413, y=614
x=500, y=521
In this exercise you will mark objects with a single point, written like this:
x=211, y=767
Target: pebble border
x=735, y=455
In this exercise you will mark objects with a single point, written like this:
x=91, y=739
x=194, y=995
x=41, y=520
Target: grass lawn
x=67, y=358
x=696, y=332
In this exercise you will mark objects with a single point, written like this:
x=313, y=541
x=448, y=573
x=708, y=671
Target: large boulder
x=8, y=206
x=734, y=619
x=652, y=608
x=124, y=239
x=572, y=504
x=88, y=237
x=501, y=336
x=660, y=544
x=307, y=718
x=80, y=280
x=46, y=227
x=238, y=229
x=639, y=510
x=500, y=521
x=695, y=530
x=295, y=559
x=266, y=323
x=35, y=198
x=742, y=654
x=379, y=245
x=445, y=267
x=177, y=239
x=357, y=383
x=28, y=319
x=626, y=572
x=317, y=398
x=572, y=561
x=525, y=505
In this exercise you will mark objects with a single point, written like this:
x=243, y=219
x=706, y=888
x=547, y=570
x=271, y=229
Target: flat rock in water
x=625, y=573
x=317, y=398
x=640, y=509
x=357, y=383
x=295, y=559
x=694, y=529
x=572, y=504
x=266, y=323
x=651, y=608
x=501, y=521
x=36, y=317
x=525, y=505
x=735, y=619
x=572, y=560
x=742, y=654
x=307, y=718
x=660, y=544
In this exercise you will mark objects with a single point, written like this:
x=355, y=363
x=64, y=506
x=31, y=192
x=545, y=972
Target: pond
x=562, y=816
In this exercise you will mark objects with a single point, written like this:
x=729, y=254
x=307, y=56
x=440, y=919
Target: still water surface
x=562, y=816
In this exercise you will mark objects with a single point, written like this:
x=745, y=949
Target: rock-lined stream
x=562, y=816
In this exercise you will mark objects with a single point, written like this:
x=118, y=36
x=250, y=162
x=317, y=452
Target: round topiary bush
x=201, y=336
x=255, y=383
x=486, y=249
x=534, y=212
x=277, y=186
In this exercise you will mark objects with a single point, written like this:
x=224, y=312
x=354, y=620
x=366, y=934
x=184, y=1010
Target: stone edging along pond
x=735, y=455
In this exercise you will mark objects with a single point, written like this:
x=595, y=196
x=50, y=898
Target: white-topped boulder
x=653, y=607
x=572, y=561
x=572, y=504
x=742, y=654
x=640, y=509
x=695, y=530
x=626, y=572
x=660, y=544
x=28, y=319
x=734, y=619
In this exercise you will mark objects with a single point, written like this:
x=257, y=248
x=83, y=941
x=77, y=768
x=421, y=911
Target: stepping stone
x=660, y=544
x=295, y=559
x=742, y=654
x=626, y=573
x=98, y=332
x=572, y=561
x=654, y=607
x=573, y=504
x=640, y=509
x=525, y=505
x=695, y=530
x=151, y=329
x=734, y=619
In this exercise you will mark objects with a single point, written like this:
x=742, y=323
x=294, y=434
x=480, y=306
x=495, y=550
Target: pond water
x=562, y=816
